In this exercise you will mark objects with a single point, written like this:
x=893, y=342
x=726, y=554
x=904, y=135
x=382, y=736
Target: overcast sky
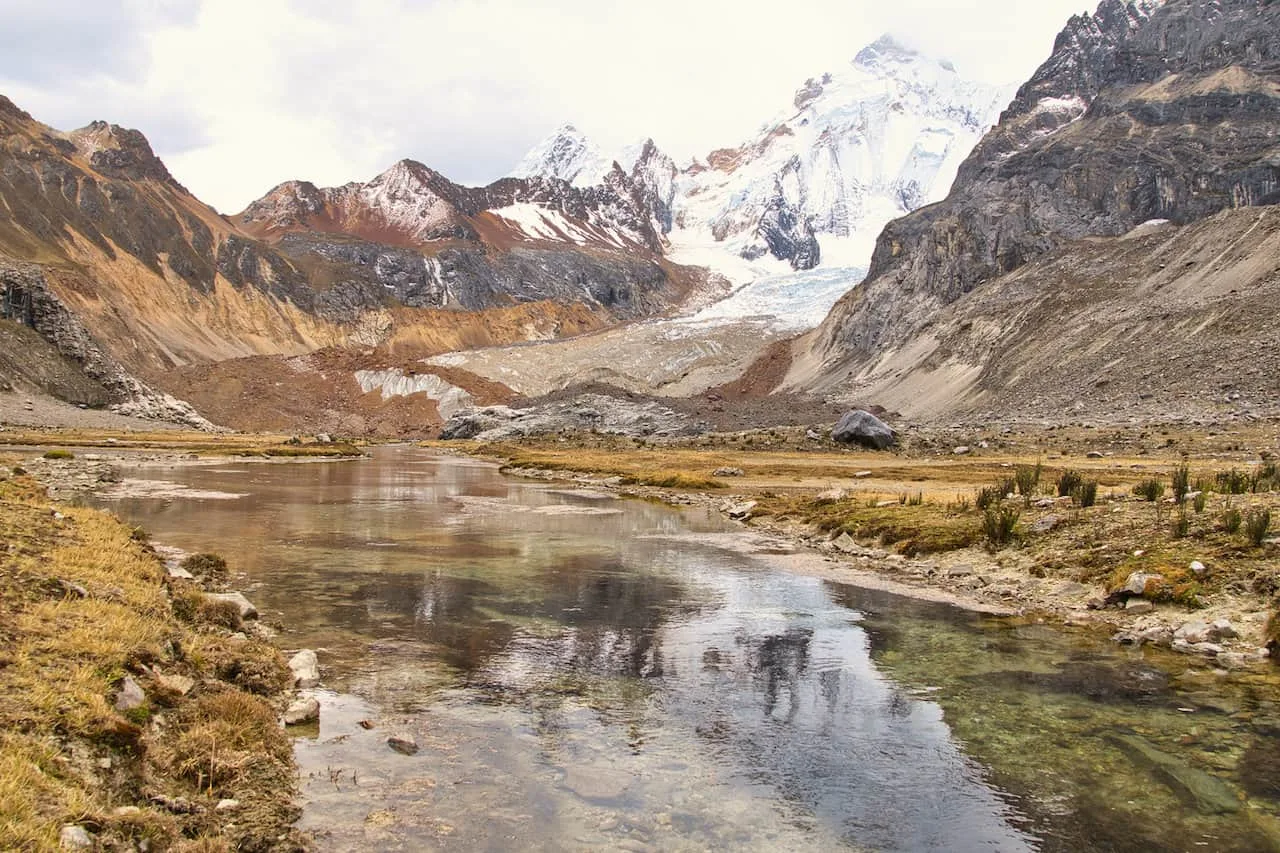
x=239, y=95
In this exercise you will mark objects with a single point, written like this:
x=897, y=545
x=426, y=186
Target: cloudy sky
x=239, y=95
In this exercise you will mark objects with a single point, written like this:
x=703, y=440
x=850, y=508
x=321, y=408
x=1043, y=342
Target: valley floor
x=1187, y=576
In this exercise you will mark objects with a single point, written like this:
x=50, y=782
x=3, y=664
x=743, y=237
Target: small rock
x=1045, y=503
x=179, y=684
x=960, y=571
x=1198, y=568
x=75, y=838
x=812, y=435
x=227, y=805
x=1192, y=632
x=1136, y=583
x=861, y=475
x=403, y=743
x=728, y=472
x=304, y=709
x=1046, y=524
x=247, y=610
x=126, y=811
x=883, y=504
x=1222, y=629
x=130, y=695
x=1138, y=605
x=961, y=450
x=366, y=724
x=180, y=573
x=741, y=511
x=831, y=495
x=324, y=438
x=1093, y=454
x=305, y=668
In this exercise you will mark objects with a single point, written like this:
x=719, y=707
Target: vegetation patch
x=84, y=612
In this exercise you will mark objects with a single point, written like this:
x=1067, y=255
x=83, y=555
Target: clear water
x=584, y=673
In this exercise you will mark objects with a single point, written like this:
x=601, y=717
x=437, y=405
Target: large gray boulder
x=864, y=428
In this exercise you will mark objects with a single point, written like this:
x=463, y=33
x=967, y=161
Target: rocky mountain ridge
x=857, y=147
x=1146, y=112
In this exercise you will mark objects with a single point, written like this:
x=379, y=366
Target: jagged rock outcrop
x=25, y=297
x=1046, y=283
x=1146, y=110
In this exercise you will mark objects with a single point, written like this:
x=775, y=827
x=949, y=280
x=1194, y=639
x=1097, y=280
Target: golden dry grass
x=82, y=604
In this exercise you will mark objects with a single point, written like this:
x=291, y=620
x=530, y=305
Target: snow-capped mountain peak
x=566, y=154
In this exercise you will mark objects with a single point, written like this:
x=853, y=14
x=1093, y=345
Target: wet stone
x=403, y=743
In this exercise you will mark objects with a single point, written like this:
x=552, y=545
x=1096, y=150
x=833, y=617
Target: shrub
x=1068, y=483
x=1181, y=524
x=989, y=496
x=1181, y=483
x=1150, y=490
x=914, y=500
x=1230, y=520
x=1026, y=478
x=59, y=454
x=1256, y=525
x=999, y=524
x=207, y=565
x=1087, y=493
x=1200, y=501
x=1234, y=482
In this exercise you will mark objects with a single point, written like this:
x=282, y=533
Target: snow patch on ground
x=394, y=382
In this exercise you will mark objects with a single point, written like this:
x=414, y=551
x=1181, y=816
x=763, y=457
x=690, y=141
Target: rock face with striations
x=1146, y=110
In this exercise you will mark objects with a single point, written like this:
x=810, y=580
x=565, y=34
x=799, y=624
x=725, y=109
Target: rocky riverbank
x=904, y=522
x=141, y=698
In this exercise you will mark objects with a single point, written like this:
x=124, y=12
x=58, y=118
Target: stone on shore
x=244, y=605
x=304, y=709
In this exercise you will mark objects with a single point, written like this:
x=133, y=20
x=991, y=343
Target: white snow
x=544, y=223
x=791, y=301
x=566, y=154
x=393, y=382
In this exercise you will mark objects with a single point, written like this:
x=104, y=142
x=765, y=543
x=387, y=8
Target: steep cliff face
x=1146, y=110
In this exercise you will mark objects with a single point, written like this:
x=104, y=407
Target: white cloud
x=251, y=92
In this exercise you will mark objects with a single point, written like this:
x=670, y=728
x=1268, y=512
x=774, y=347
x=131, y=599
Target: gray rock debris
x=864, y=428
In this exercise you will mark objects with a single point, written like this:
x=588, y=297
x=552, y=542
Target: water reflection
x=579, y=674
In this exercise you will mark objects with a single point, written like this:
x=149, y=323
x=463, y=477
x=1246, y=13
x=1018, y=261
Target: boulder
x=728, y=472
x=741, y=511
x=865, y=429
x=305, y=668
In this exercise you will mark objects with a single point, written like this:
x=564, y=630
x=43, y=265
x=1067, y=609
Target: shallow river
x=585, y=673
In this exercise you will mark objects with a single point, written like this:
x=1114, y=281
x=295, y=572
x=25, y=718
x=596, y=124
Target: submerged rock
x=1207, y=793
x=403, y=743
x=864, y=428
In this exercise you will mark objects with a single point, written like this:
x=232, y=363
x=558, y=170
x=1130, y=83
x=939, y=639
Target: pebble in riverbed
x=403, y=743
